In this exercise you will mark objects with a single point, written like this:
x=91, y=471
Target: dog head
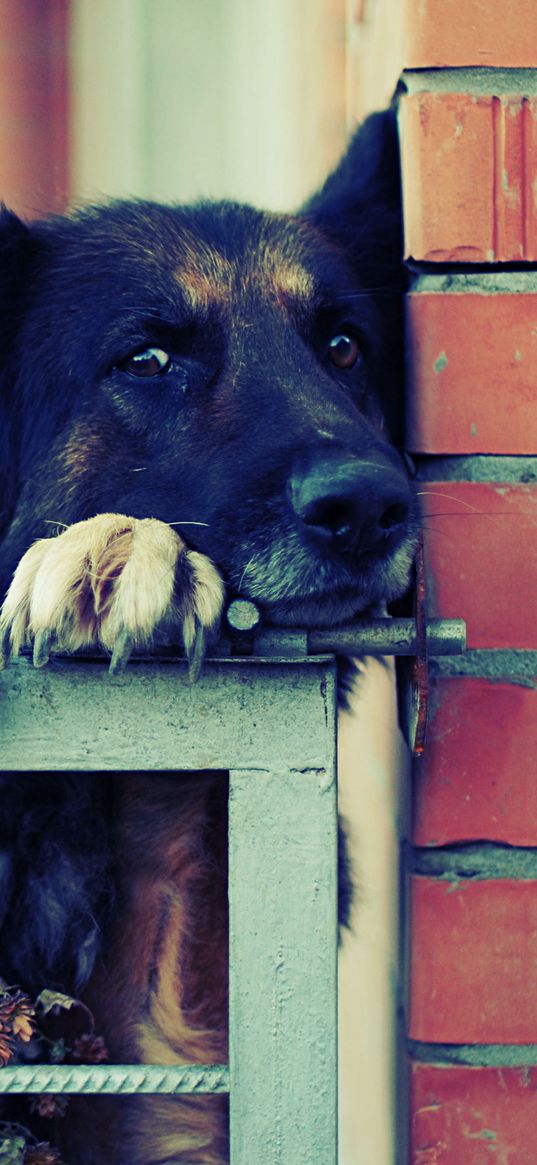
x=234, y=373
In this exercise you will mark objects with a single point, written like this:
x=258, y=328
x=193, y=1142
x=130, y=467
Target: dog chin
x=328, y=604
x=315, y=611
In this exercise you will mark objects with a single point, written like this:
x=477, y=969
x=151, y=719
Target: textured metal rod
x=115, y=1078
x=389, y=637
x=386, y=636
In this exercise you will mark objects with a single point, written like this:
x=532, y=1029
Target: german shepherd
x=206, y=401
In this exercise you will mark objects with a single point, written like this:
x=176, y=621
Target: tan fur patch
x=205, y=276
x=292, y=281
x=84, y=451
x=280, y=275
x=279, y=271
x=143, y=996
x=271, y=268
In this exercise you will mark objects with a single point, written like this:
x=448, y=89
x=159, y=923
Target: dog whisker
x=435, y=529
x=245, y=571
x=479, y=514
x=476, y=511
x=434, y=493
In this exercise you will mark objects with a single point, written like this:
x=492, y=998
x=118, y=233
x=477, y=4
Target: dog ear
x=18, y=248
x=359, y=205
x=359, y=209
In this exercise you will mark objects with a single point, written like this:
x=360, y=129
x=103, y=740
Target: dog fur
x=196, y=402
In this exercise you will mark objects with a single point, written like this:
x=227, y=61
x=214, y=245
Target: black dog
x=200, y=398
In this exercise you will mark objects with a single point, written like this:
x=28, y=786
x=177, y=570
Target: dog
x=197, y=403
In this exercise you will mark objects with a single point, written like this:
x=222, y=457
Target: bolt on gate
x=268, y=718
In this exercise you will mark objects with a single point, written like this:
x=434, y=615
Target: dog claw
x=121, y=654
x=196, y=653
x=5, y=647
x=41, y=652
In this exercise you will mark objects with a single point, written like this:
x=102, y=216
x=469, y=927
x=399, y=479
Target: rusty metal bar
x=382, y=636
x=389, y=637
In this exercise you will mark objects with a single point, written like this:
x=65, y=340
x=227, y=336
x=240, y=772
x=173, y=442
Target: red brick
x=472, y=1116
x=440, y=32
x=469, y=165
x=473, y=373
x=476, y=780
x=473, y=961
x=481, y=552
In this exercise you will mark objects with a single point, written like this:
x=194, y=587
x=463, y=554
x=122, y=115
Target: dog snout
x=350, y=504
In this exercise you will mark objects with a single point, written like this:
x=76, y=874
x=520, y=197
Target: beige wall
x=375, y=36
x=373, y=776
x=181, y=99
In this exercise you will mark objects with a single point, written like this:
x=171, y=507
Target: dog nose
x=350, y=503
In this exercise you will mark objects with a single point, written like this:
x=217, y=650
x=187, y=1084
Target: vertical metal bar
x=283, y=943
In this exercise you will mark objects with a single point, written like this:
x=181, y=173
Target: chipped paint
x=473, y=429
x=481, y=1135
x=441, y=362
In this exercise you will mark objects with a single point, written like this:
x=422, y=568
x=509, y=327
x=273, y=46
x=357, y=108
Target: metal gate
x=271, y=722
x=270, y=719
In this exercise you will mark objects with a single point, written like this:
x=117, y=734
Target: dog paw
x=110, y=581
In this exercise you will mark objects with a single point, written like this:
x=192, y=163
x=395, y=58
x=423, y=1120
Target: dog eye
x=149, y=362
x=343, y=350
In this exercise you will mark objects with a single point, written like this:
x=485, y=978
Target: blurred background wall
x=207, y=97
x=249, y=99
x=179, y=99
x=34, y=104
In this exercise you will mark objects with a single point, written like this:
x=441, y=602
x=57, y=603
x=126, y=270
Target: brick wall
x=469, y=160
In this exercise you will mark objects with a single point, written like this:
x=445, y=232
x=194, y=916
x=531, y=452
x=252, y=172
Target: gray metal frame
x=272, y=723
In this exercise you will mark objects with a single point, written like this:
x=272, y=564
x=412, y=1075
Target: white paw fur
x=110, y=581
